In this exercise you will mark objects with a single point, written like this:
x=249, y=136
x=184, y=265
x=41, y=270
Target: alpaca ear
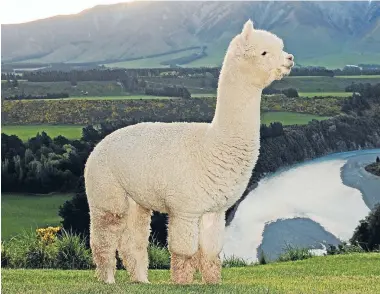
x=247, y=31
x=246, y=40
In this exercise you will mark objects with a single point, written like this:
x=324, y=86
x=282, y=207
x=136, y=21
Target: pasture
x=323, y=84
x=324, y=94
x=24, y=132
x=289, y=118
x=126, y=97
x=352, y=273
x=25, y=212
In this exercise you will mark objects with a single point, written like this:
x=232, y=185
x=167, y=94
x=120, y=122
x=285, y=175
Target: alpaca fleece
x=192, y=171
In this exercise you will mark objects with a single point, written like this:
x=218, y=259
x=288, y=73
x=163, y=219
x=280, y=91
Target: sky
x=18, y=11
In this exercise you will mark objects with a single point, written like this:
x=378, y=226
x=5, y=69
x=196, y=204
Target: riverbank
x=302, y=205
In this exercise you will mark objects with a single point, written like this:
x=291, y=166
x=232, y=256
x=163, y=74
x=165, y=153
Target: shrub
x=159, y=257
x=290, y=93
x=344, y=248
x=26, y=251
x=4, y=256
x=75, y=212
x=294, y=253
x=40, y=255
x=48, y=235
x=35, y=250
x=72, y=252
x=234, y=261
x=262, y=258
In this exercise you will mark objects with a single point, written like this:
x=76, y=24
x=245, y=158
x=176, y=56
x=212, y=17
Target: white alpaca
x=192, y=171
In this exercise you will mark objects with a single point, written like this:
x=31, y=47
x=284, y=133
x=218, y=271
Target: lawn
x=24, y=212
x=289, y=118
x=354, y=273
x=24, y=132
x=324, y=94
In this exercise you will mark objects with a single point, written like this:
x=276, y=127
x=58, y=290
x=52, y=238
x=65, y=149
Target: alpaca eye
x=264, y=53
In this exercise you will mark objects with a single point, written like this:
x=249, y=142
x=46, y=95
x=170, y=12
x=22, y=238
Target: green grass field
x=354, y=273
x=129, y=97
x=288, y=118
x=24, y=212
x=203, y=95
x=324, y=94
x=24, y=132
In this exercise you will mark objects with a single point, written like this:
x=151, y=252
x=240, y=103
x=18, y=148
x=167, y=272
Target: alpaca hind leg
x=105, y=230
x=183, y=245
x=133, y=246
x=108, y=206
x=211, y=242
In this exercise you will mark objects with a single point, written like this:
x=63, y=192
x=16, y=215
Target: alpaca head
x=259, y=55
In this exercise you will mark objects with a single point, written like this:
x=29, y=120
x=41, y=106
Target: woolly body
x=192, y=171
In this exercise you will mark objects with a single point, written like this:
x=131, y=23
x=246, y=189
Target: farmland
x=21, y=212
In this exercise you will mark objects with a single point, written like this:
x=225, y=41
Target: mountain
x=320, y=33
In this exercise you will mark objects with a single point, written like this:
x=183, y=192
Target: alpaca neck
x=237, y=112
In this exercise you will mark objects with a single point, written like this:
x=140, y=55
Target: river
x=306, y=205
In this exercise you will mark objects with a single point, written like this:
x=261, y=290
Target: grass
x=203, y=95
x=24, y=212
x=324, y=94
x=24, y=132
x=289, y=118
x=351, y=273
x=129, y=97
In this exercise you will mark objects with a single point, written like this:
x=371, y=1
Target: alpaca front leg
x=134, y=242
x=183, y=240
x=211, y=243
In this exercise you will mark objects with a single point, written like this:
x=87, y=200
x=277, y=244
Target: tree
x=367, y=233
x=75, y=212
x=15, y=82
x=291, y=92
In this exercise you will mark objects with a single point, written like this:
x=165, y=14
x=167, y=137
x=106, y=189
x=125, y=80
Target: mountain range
x=317, y=33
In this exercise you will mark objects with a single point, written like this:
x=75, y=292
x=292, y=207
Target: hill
x=320, y=33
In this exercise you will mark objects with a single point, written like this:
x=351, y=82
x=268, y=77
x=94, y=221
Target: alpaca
x=192, y=171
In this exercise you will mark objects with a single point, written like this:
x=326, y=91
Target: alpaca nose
x=290, y=57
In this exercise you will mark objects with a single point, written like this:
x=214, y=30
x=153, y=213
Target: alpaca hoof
x=110, y=281
x=211, y=270
x=215, y=281
x=146, y=281
x=107, y=278
x=182, y=269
